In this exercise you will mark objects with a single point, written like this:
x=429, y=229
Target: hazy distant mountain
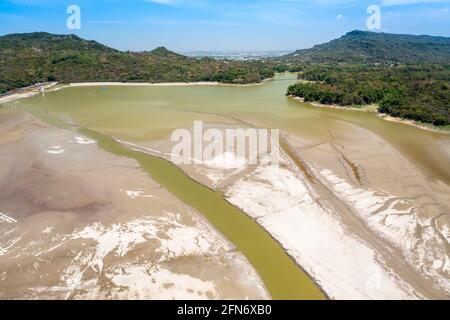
x=371, y=47
x=35, y=57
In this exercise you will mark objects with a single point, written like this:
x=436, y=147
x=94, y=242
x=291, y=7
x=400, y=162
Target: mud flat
x=389, y=203
x=360, y=204
x=416, y=124
x=282, y=277
x=357, y=217
x=80, y=223
x=374, y=109
x=368, y=108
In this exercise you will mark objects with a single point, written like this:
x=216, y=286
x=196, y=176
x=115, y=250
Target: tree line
x=31, y=58
x=416, y=92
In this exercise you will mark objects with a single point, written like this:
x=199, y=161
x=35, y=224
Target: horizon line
x=225, y=50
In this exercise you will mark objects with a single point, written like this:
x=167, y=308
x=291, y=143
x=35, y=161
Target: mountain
x=164, y=52
x=371, y=47
x=36, y=57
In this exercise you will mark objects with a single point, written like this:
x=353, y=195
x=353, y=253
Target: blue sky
x=192, y=25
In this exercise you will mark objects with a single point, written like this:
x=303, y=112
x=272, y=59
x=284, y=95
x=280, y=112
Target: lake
x=143, y=114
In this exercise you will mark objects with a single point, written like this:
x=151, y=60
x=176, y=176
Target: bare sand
x=155, y=84
x=143, y=84
x=413, y=123
x=368, y=108
x=352, y=212
x=25, y=92
x=374, y=109
x=79, y=223
x=384, y=200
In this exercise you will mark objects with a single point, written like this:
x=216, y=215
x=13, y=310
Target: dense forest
x=37, y=57
x=376, y=48
x=405, y=75
x=416, y=92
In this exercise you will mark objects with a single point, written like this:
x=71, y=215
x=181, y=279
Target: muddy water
x=144, y=114
x=147, y=113
x=282, y=277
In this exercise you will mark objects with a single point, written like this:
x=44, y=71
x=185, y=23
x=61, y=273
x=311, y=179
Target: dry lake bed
x=91, y=206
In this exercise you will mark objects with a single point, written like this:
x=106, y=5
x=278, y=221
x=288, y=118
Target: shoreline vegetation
x=408, y=76
x=374, y=109
x=408, y=84
x=418, y=93
x=69, y=59
x=28, y=92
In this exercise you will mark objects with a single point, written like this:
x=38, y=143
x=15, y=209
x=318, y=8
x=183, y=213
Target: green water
x=282, y=277
x=143, y=114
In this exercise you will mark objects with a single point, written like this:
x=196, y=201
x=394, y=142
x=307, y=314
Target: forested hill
x=371, y=47
x=36, y=57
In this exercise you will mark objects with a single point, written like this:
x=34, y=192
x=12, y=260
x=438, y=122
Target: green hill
x=419, y=92
x=36, y=57
x=372, y=47
x=408, y=76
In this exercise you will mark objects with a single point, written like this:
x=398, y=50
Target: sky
x=222, y=25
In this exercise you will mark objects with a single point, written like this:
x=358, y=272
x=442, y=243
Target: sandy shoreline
x=369, y=108
x=164, y=84
x=413, y=123
x=55, y=86
x=26, y=93
x=374, y=109
x=141, y=84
